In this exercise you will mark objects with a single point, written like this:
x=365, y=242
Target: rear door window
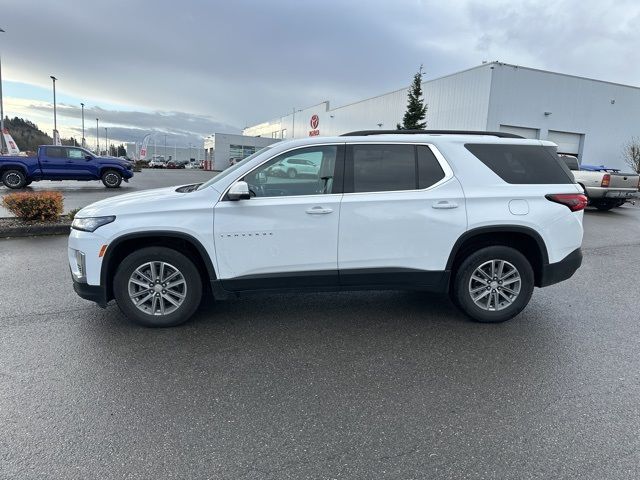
x=522, y=164
x=383, y=168
x=391, y=167
x=56, y=152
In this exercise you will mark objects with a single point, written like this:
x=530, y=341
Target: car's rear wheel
x=157, y=287
x=111, y=179
x=14, y=179
x=493, y=284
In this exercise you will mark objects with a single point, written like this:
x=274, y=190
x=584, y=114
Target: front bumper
x=562, y=270
x=94, y=293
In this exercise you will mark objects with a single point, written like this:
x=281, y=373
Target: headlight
x=90, y=224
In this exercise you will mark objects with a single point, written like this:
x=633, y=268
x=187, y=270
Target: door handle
x=318, y=210
x=444, y=205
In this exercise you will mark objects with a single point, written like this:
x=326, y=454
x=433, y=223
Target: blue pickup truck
x=55, y=162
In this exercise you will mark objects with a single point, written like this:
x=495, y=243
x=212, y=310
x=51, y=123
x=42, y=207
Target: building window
x=241, y=151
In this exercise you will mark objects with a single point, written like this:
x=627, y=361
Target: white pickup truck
x=605, y=188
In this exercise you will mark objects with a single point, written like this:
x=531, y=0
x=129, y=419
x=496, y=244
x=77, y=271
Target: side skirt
x=332, y=281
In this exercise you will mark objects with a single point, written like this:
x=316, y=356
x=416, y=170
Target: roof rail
x=366, y=133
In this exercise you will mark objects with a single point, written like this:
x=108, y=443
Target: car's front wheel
x=493, y=284
x=157, y=287
x=111, y=179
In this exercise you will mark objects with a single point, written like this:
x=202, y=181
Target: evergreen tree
x=416, y=108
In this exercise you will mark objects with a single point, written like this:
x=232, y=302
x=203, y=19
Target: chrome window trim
x=446, y=168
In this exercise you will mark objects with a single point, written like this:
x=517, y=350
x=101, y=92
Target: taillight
x=606, y=180
x=574, y=201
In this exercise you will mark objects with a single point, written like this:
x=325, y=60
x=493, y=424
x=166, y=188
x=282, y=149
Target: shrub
x=72, y=213
x=43, y=206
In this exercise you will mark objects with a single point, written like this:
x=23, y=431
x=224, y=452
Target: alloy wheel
x=12, y=180
x=111, y=179
x=157, y=288
x=495, y=285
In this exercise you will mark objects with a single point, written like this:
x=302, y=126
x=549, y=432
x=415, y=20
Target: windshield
x=232, y=169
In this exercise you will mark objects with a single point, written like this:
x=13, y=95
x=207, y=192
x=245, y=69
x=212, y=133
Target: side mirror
x=239, y=191
x=88, y=157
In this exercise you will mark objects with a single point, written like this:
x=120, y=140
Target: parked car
x=175, y=164
x=605, y=188
x=54, y=162
x=486, y=217
x=158, y=162
x=293, y=167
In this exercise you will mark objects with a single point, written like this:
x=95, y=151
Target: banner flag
x=143, y=149
x=12, y=148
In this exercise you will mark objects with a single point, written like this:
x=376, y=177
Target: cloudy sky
x=190, y=68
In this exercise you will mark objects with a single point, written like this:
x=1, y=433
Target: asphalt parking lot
x=81, y=194
x=350, y=385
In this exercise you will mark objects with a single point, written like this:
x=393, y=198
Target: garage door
x=522, y=131
x=567, y=142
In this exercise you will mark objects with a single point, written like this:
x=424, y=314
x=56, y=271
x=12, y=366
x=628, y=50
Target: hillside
x=28, y=136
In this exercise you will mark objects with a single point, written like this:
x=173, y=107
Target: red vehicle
x=176, y=164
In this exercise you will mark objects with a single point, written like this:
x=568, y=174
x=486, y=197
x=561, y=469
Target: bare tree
x=631, y=153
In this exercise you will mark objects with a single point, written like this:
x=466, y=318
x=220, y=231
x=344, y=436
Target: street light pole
x=55, y=122
x=106, y=140
x=165, y=148
x=83, y=141
x=1, y=109
x=97, y=139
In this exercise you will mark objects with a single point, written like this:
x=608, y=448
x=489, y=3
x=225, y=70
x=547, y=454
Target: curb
x=35, y=230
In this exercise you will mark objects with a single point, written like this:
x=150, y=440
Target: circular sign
x=315, y=121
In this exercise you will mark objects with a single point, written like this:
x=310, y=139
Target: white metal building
x=220, y=148
x=589, y=118
x=172, y=152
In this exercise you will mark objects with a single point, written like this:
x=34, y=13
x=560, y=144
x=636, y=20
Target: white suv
x=484, y=216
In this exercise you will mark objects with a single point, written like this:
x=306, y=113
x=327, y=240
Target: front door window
x=304, y=171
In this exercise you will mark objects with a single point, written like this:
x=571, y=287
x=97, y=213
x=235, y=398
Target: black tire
x=111, y=178
x=462, y=284
x=192, y=285
x=29, y=182
x=14, y=179
x=291, y=173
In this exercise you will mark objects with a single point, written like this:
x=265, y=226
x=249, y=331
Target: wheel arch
x=182, y=242
x=105, y=168
x=524, y=239
x=14, y=166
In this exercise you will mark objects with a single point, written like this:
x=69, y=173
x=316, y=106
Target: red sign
x=315, y=121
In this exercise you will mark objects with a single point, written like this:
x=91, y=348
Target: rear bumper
x=607, y=192
x=562, y=270
x=621, y=194
x=94, y=293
